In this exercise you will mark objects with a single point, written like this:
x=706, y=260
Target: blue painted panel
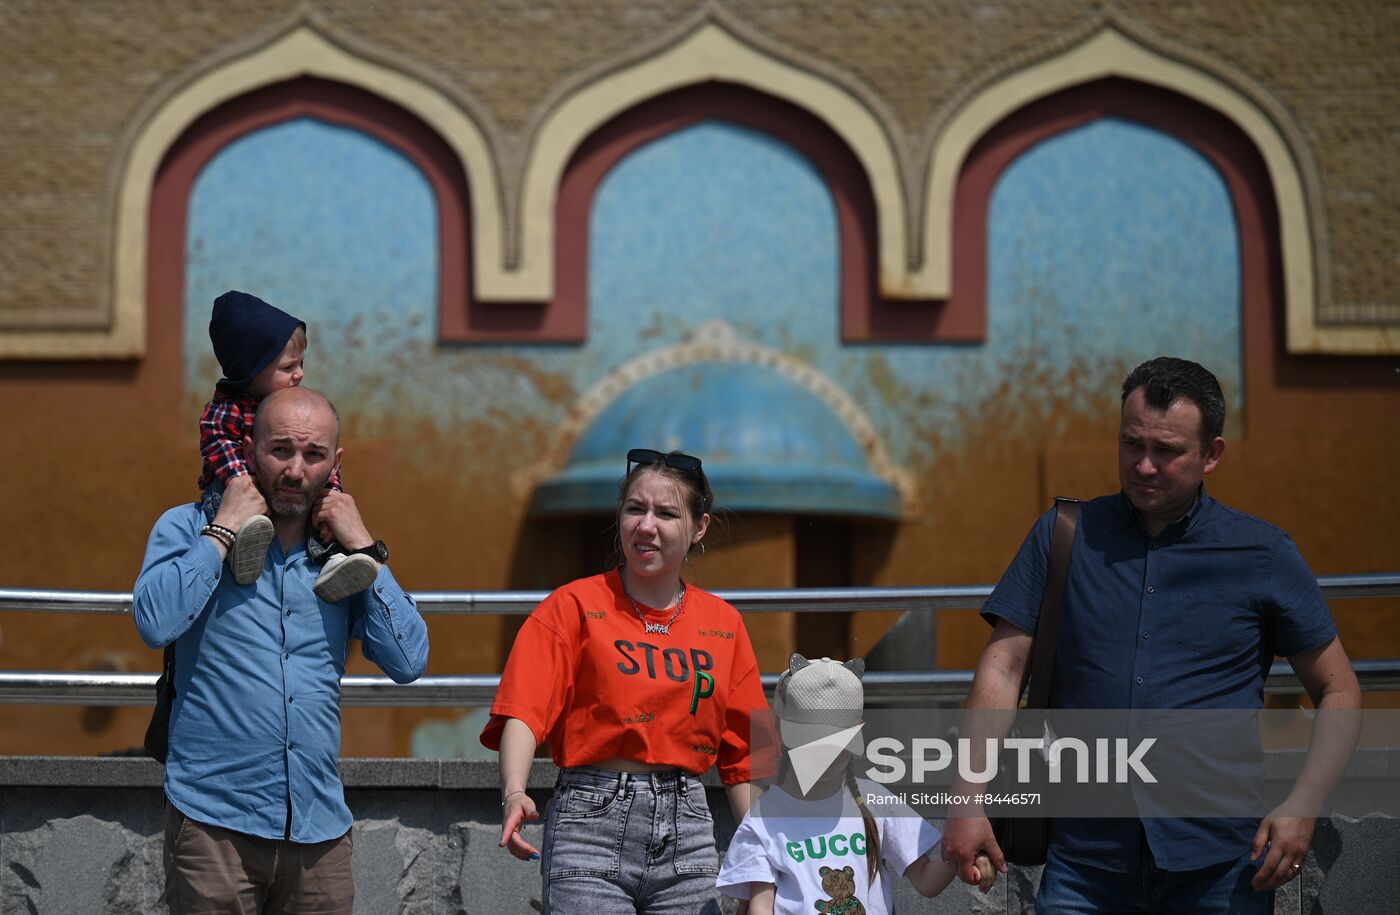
x=714, y=222
x=331, y=225
x=1108, y=244
x=1115, y=243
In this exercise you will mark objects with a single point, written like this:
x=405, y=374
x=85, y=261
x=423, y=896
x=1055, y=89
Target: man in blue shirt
x=256, y=811
x=1172, y=601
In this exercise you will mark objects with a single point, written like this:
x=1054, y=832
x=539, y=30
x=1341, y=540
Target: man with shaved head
x=256, y=819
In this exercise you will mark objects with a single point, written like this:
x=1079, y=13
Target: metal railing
x=113, y=689
x=519, y=603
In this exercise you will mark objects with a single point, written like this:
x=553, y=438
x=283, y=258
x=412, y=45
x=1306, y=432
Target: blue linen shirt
x=255, y=725
x=1191, y=618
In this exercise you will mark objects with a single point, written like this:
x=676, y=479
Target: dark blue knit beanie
x=247, y=334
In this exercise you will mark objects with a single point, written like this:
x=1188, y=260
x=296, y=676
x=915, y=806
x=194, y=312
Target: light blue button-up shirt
x=255, y=726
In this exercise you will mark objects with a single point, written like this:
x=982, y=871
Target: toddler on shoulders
x=260, y=349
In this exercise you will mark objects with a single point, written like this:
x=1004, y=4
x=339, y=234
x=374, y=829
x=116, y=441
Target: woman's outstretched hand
x=518, y=810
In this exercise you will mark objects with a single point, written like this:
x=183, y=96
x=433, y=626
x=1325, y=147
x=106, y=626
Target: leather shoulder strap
x=1047, y=628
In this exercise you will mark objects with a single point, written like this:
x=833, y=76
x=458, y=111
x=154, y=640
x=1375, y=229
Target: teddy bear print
x=840, y=885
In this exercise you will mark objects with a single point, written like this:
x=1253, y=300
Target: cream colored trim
x=125, y=339
x=302, y=51
x=1109, y=52
x=710, y=52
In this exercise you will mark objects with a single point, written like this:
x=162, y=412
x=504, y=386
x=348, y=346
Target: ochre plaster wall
x=92, y=452
x=1313, y=458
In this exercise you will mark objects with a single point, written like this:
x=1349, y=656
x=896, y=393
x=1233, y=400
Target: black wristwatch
x=376, y=550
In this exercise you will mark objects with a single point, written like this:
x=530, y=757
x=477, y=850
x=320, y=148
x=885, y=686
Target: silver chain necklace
x=649, y=626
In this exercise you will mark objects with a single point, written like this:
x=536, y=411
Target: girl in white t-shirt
x=811, y=843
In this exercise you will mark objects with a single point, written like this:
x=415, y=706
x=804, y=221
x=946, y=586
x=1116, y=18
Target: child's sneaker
x=344, y=575
x=250, y=549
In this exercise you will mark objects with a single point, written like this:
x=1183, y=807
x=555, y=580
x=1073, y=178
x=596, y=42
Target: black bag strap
x=1047, y=628
x=157, y=742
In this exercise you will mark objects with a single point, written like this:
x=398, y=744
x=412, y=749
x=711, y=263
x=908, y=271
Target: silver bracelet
x=513, y=794
x=220, y=533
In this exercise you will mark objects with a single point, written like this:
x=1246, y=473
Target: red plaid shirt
x=225, y=421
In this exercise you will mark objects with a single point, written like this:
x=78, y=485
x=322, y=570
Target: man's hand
x=966, y=836
x=519, y=809
x=337, y=513
x=989, y=713
x=1288, y=839
x=1327, y=674
x=241, y=501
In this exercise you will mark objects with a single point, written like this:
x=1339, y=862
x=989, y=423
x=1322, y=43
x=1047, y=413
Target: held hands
x=241, y=501
x=968, y=843
x=517, y=810
x=1288, y=839
x=335, y=514
x=988, y=874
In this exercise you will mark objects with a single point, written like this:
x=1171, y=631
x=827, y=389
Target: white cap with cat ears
x=815, y=699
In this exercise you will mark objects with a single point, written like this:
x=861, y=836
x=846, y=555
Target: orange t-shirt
x=585, y=676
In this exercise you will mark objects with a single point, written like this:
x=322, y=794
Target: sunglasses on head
x=685, y=463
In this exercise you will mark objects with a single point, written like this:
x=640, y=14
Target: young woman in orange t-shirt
x=639, y=683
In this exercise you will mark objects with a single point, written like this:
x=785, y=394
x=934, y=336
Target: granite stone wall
x=80, y=835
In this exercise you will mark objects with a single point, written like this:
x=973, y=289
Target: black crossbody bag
x=1024, y=840
x=157, y=741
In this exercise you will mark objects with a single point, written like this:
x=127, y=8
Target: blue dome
x=768, y=444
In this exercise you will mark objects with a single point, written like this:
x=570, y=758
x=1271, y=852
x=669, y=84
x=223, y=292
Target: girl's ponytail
x=872, y=829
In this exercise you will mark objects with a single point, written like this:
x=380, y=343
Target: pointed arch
x=331, y=103
x=963, y=315
x=1110, y=53
x=564, y=318
x=302, y=51
x=708, y=54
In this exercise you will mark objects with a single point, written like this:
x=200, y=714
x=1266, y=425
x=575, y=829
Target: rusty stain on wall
x=432, y=434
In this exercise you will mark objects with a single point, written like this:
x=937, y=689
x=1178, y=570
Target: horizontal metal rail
x=91, y=688
x=477, y=690
x=797, y=600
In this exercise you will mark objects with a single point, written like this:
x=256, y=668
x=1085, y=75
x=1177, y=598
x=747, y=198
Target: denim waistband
x=621, y=781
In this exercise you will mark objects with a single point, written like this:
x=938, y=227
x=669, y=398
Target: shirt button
x=399, y=636
x=191, y=616
x=289, y=613
x=291, y=746
x=1151, y=590
x=291, y=699
x=287, y=656
x=1146, y=635
x=1139, y=679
